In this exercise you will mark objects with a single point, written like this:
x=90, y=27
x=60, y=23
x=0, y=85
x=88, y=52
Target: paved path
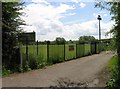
x=79, y=70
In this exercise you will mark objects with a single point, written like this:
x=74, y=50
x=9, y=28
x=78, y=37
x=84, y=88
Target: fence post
x=27, y=50
x=95, y=47
x=47, y=52
x=76, y=51
x=37, y=47
x=21, y=60
x=84, y=48
x=64, y=51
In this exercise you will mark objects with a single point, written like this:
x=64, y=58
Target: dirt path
x=78, y=72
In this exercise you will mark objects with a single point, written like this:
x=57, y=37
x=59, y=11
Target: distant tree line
x=61, y=40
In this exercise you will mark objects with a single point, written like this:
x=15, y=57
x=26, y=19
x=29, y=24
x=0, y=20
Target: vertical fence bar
x=91, y=48
x=37, y=47
x=95, y=47
x=27, y=49
x=64, y=51
x=76, y=51
x=84, y=48
x=47, y=52
x=21, y=59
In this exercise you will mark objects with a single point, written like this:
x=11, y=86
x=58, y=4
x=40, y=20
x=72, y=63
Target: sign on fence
x=71, y=47
x=29, y=36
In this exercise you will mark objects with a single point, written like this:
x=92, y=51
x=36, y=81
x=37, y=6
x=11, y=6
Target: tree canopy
x=86, y=38
x=10, y=24
x=60, y=40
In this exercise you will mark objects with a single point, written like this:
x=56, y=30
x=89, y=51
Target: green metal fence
x=87, y=49
x=70, y=51
x=50, y=54
x=42, y=53
x=56, y=53
x=80, y=50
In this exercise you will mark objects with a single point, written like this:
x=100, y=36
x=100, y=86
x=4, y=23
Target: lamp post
x=99, y=18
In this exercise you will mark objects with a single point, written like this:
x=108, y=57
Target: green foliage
x=5, y=71
x=26, y=68
x=60, y=40
x=113, y=63
x=113, y=68
x=86, y=38
x=34, y=61
x=112, y=45
x=111, y=84
x=10, y=24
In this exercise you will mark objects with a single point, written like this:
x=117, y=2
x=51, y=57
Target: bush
x=5, y=71
x=32, y=61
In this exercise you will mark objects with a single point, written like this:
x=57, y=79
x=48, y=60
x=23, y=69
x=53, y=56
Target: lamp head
x=99, y=18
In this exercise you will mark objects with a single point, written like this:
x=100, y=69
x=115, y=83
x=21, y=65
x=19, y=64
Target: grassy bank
x=113, y=68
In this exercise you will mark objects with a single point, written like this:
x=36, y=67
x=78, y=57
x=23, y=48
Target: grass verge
x=113, y=68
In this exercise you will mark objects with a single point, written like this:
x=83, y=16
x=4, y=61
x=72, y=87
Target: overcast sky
x=68, y=19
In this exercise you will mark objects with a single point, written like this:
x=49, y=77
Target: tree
x=10, y=24
x=114, y=8
x=60, y=40
x=70, y=41
x=86, y=38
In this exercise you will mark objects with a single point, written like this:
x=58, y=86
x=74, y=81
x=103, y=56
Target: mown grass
x=113, y=68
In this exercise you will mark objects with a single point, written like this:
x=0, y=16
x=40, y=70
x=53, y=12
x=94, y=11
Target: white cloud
x=70, y=14
x=74, y=31
x=82, y=5
x=102, y=13
x=47, y=11
x=45, y=21
x=40, y=1
x=105, y=14
x=76, y=1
